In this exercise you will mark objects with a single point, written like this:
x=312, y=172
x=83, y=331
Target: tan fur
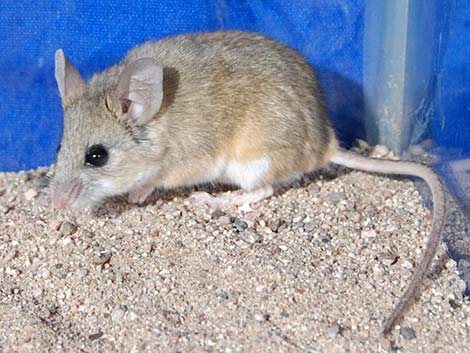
x=231, y=95
x=237, y=108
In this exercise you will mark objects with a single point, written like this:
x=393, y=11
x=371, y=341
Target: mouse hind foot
x=241, y=198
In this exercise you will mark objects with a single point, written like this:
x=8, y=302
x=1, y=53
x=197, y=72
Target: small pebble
x=224, y=220
x=83, y=273
x=12, y=271
x=102, y=258
x=68, y=228
x=239, y=224
x=4, y=209
x=387, y=258
x=95, y=336
x=30, y=194
x=217, y=214
x=333, y=331
x=55, y=225
x=148, y=248
x=336, y=197
x=261, y=317
x=10, y=255
x=37, y=292
x=368, y=233
x=308, y=227
x=379, y=151
x=277, y=225
x=251, y=237
x=408, y=333
x=313, y=188
x=360, y=145
x=88, y=234
x=60, y=294
x=118, y=312
x=53, y=309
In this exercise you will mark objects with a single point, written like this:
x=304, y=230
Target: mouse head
x=105, y=148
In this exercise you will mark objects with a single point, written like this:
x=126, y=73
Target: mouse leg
x=249, y=176
x=140, y=194
x=240, y=198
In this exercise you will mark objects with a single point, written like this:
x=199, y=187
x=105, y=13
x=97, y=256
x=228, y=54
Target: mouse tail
x=375, y=165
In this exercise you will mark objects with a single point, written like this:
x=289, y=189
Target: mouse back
x=242, y=96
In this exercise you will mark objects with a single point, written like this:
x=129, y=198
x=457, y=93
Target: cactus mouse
x=223, y=107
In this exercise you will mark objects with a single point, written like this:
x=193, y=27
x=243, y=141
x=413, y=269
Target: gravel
x=408, y=333
x=315, y=268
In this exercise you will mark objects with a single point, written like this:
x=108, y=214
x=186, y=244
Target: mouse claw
x=140, y=194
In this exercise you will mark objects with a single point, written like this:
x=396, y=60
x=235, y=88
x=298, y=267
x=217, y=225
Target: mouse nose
x=64, y=196
x=58, y=201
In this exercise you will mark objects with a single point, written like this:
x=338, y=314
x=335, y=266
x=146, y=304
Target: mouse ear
x=140, y=91
x=69, y=81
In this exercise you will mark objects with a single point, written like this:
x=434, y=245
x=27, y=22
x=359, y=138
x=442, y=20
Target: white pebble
x=379, y=151
x=260, y=317
x=368, y=233
x=333, y=331
x=118, y=312
x=30, y=194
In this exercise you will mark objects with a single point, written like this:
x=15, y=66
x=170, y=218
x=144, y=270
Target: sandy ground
x=316, y=268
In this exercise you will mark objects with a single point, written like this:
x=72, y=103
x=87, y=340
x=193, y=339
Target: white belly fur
x=246, y=175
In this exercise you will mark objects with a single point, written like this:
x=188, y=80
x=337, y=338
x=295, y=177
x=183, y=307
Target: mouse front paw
x=140, y=194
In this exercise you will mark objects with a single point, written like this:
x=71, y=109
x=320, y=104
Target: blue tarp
x=96, y=34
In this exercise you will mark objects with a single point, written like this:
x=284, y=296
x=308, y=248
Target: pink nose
x=58, y=201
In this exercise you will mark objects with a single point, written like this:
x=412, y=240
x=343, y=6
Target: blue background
x=96, y=34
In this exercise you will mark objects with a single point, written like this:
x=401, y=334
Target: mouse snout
x=65, y=196
x=58, y=201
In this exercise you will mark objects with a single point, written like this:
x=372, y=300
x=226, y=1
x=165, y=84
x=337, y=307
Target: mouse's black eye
x=96, y=156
